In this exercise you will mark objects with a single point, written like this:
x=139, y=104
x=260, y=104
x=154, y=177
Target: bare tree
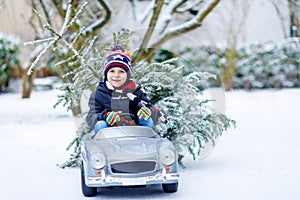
x=288, y=13
x=279, y=5
x=237, y=17
x=161, y=23
x=294, y=6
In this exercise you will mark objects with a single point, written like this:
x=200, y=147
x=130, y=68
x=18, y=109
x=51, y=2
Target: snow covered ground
x=258, y=160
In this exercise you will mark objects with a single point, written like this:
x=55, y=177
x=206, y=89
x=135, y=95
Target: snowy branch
x=41, y=54
x=145, y=14
x=68, y=21
x=168, y=12
x=101, y=22
x=186, y=27
x=67, y=18
x=187, y=7
x=156, y=12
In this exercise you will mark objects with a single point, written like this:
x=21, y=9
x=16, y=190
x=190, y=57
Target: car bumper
x=109, y=180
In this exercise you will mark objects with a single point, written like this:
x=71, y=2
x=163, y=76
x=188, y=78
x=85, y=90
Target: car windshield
x=125, y=131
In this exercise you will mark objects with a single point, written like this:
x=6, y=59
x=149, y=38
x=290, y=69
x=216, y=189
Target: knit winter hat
x=117, y=58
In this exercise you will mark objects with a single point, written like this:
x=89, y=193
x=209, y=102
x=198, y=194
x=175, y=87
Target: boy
x=118, y=95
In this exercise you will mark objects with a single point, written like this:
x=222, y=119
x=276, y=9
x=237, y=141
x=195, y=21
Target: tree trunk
x=76, y=110
x=294, y=18
x=28, y=83
x=229, y=69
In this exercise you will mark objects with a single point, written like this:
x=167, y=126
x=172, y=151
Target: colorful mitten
x=144, y=113
x=112, y=118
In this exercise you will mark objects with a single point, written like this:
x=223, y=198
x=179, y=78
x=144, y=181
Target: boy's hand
x=112, y=118
x=144, y=113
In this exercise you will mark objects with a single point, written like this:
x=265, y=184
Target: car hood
x=125, y=149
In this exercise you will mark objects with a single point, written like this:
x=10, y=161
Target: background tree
x=235, y=27
x=282, y=15
x=294, y=7
x=161, y=29
x=288, y=9
x=225, y=55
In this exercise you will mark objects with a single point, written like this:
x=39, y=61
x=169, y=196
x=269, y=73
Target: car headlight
x=167, y=156
x=97, y=160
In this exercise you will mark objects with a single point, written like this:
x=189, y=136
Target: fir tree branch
x=77, y=15
x=79, y=56
x=36, y=42
x=41, y=19
x=67, y=18
x=45, y=11
x=69, y=59
x=32, y=18
x=41, y=54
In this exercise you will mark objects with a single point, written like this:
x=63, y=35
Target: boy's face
x=116, y=76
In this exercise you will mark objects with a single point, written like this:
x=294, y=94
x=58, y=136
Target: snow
x=257, y=160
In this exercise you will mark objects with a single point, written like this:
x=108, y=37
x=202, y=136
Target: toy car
x=127, y=156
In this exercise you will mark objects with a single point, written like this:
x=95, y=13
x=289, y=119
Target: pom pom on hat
x=117, y=58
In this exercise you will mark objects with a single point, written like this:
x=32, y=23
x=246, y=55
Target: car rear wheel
x=87, y=191
x=170, y=187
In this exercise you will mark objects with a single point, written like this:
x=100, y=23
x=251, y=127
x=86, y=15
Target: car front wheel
x=87, y=191
x=170, y=187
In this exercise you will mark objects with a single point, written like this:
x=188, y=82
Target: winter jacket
x=106, y=98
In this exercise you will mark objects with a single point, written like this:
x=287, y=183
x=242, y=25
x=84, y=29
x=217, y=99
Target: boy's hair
x=117, y=58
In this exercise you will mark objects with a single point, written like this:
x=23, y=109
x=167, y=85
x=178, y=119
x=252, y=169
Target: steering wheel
x=127, y=119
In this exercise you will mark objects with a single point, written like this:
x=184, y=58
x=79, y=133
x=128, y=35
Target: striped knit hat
x=117, y=58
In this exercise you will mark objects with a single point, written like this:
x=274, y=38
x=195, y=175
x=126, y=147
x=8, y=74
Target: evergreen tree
x=191, y=120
